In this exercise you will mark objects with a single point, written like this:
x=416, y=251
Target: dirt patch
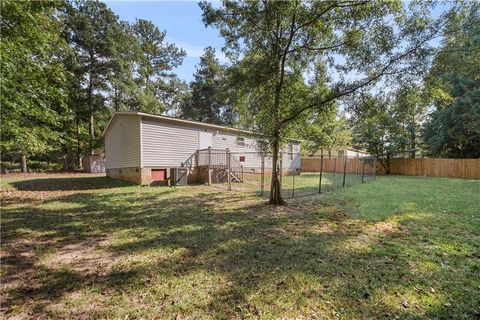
x=85, y=256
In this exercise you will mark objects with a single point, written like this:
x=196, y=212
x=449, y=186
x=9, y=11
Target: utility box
x=178, y=176
x=94, y=163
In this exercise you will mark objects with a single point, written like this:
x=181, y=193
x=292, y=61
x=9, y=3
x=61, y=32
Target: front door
x=204, y=139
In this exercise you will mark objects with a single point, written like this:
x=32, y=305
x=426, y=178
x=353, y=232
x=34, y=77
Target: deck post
x=229, y=178
x=209, y=166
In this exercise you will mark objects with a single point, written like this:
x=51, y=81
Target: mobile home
x=142, y=148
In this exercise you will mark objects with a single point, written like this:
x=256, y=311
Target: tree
x=275, y=44
x=325, y=130
x=377, y=130
x=33, y=96
x=410, y=111
x=158, y=58
x=208, y=100
x=90, y=30
x=453, y=85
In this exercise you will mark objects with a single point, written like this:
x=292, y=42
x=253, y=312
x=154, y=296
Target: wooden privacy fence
x=353, y=165
x=429, y=167
x=423, y=167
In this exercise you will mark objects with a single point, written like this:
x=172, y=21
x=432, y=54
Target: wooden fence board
x=424, y=167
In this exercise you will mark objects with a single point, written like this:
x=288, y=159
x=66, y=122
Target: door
x=204, y=139
x=159, y=174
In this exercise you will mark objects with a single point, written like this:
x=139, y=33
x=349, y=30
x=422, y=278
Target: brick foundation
x=140, y=176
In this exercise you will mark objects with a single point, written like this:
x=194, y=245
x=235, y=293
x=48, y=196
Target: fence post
x=344, y=170
x=229, y=178
x=335, y=171
x=262, y=178
x=209, y=166
x=363, y=168
x=320, y=179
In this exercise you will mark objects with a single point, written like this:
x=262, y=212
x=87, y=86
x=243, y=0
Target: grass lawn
x=90, y=247
x=306, y=183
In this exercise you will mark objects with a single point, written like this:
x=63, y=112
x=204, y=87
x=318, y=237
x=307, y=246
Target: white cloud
x=195, y=51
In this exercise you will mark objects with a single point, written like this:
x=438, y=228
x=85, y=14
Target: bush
x=32, y=165
x=42, y=166
x=9, y=166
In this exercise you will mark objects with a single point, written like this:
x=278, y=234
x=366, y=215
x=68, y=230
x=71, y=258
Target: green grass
x=399, y=247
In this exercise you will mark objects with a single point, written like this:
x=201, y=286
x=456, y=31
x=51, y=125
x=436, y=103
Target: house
x=142, y=148
x=340, y=152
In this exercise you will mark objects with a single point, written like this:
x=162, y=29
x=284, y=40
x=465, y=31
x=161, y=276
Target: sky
x=182, y=20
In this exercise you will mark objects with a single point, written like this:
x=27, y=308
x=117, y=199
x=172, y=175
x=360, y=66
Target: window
x=262, y=145
x=341, y=153
x=242, y=158
x=240, y=141
x=290, y=151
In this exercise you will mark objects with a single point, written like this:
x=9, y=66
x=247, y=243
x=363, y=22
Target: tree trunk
x=65, y=158
x=23, y=162
x=91, y=123
x=79, y=152
x=275, y=187
x=387, y=165
x=413, y=145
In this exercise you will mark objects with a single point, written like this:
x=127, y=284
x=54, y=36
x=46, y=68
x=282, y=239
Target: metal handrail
x=190, y=162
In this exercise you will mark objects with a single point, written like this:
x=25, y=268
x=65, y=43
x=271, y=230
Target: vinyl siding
x=296, y=161
x=167, y=145
x=122, y=143
x=250, y=151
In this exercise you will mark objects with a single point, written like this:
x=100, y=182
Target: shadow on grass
x=69, y=184
x=264, y=261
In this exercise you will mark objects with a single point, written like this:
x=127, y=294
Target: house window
x=242, y=158
x=240, y=141
x=341, y=153
x=290, y=151
x=262, y=145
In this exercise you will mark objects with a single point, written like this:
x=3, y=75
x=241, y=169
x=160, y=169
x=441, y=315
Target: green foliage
x=157, y=59
x=325, y=129
x=377, y=130
x=33, y=77
x=454, y=84
x=409, y=110
x=67, y=65
x=208, y=101
x=275, y=46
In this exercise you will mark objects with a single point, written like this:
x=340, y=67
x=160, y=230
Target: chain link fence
x=300, y=176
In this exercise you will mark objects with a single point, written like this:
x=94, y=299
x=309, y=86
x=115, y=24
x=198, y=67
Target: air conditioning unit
x=178, y=176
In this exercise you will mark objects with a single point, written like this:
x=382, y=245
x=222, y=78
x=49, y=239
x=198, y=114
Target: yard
x=90, y=247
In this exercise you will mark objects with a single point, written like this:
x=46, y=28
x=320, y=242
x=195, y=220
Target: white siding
x=250, y=151
x=165, y=144
x=292, y=160
x=223, y=140
x=122, y=142
x=169, y=144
